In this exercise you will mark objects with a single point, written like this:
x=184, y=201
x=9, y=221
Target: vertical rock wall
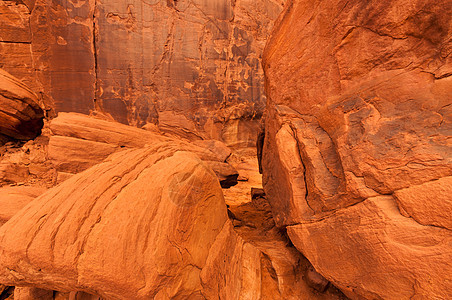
x=357, y=135
x=185, y=64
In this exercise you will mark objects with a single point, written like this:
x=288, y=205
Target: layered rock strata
x=356, y=154
x=86, y=226
x=20, y=114
x=78, y=142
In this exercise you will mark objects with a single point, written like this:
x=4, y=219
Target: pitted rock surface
x=356, y=155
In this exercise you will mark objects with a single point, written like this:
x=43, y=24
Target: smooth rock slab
x=139, y=224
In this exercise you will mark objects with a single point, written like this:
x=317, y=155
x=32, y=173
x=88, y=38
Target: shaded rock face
x=183, y=64
x=356, y=155
x=20, y=114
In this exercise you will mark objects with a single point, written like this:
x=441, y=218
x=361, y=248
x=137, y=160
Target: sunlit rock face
x=356, y=156
x=147, y=223
x=189, y=64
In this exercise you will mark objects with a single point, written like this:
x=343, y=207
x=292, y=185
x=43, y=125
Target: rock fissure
x=305, y=179
x=95, y=54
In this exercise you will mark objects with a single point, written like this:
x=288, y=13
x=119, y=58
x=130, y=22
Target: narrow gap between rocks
x=283, y=267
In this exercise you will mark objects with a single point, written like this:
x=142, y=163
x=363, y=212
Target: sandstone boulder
x=78, y=142
x=147, y=223
x=20, y=114
x=356, y=155
x=217, y=147
x=149, y=210
x=14, y=198
x=226, y=173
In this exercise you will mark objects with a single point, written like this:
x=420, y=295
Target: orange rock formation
x=357, y=135
x=126, y=170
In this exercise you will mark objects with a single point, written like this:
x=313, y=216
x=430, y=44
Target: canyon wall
x=356, y=156
x=191, y=65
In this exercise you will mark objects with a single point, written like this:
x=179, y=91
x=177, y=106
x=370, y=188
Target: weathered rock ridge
x=356, y=155
x=190, y=64
x=74, y=142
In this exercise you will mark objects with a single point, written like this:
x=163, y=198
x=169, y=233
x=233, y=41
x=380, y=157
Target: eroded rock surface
x=357, y=135
x=20, y=114
x=14, y=198
x=183, y=64
x=129, y=213
x=78, y=142
x=159, y=210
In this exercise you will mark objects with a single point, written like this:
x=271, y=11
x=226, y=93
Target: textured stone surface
x=24, y=293
x=191, y=65
x=169, y=220
x=357, y=135
x=254, y=223
x=216, y=147
x=26, y=163
x=429, y=203
x=20, y=114
x=399, y=257
x=159, y=210
x=13, y=199
x=78, y=142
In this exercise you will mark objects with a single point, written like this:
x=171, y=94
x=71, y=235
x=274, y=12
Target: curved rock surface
x=20, y=114
x=147, y=223
x=14, y=198
x=145, y=211
x=356, y=157
x=78, y=142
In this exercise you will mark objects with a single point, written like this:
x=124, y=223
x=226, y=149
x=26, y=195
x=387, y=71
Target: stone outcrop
x=115, y=199
x=356, y=154
x=147, y=223
x=20, y=114
x=78, y=142
x=191, y=65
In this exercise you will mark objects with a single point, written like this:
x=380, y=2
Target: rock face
x=185, y=64
x=20, y=114
x=147, y=223
x=104, y=224
x=356, y=157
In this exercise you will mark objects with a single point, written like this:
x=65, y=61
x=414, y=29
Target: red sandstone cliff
x=357, y=152
x=193, y=65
